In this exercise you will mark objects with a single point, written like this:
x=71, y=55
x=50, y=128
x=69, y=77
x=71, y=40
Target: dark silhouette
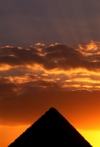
x=53, y=130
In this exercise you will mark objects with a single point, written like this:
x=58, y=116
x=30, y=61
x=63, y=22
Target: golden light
x=90, y=46
x=93, y=136
x=4, y=67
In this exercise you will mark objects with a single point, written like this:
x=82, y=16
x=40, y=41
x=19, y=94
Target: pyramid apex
x=52, y=109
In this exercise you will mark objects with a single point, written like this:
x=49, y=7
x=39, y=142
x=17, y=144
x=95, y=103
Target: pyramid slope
x=51, y=129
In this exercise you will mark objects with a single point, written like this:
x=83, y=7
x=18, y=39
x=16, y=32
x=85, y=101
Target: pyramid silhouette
x=53, y=130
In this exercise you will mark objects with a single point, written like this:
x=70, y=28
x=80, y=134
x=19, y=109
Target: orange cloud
x=56, y=56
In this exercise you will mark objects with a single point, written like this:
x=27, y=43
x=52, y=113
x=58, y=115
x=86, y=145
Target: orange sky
x=39, y=77
x=9, y=133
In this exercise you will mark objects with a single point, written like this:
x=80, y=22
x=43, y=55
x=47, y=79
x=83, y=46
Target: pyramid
x=51, y=129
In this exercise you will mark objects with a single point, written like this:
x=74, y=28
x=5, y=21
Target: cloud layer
x=57, y=63
x=55, y=56
x=36, y=78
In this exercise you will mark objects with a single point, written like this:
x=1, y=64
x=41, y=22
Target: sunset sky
x=49, y=57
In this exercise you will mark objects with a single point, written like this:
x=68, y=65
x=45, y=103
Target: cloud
x=66, y=67
x=6, y=87
x=57, y=56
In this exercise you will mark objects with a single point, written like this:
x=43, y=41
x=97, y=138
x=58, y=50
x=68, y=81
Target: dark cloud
x=50, y=57
x=6, y=87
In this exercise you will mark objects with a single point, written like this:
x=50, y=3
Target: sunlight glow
x=92, y=136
